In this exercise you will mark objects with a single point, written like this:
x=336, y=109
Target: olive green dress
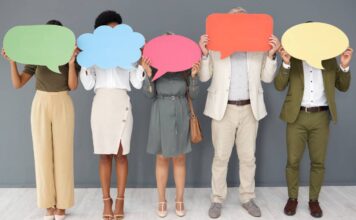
x=169, y=133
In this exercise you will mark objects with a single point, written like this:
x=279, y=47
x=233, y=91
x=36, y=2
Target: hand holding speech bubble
x=171, y=53
x=314, y=42
x=45, y=45
x=110, y=47
x=229, y=33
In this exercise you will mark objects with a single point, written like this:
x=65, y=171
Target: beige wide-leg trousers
x=239, y=127
x=52, y=122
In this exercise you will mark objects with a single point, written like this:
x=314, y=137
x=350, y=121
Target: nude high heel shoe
x=107, y=216
x=119, y=216
x=180, y=212
x=162, y=209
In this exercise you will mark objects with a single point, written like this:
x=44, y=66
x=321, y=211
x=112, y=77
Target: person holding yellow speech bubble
x=308, y=108
x=52, y=125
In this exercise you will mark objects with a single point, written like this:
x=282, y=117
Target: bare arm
x=72, y=72
x=18, y=80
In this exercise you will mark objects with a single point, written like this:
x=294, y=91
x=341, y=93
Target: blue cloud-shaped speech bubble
x=110, y=47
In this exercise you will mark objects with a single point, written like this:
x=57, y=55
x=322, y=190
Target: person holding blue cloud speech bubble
x=52, y=124
x=108, y=68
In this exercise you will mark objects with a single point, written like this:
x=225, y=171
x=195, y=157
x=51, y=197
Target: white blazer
x=259, y=67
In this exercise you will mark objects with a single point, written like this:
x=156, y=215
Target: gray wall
x=154, y=17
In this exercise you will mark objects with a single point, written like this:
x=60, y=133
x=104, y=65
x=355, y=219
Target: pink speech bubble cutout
x=171, y=53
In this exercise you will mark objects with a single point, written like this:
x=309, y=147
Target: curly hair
x=54, y=22
x=107, y=17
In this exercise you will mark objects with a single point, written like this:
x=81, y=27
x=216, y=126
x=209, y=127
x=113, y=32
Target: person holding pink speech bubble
x=235, y=103
x=112, y=120
x=169, y=133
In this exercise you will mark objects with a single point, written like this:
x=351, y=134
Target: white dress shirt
x=314, y=91
x=116, y=78
x=239, y=89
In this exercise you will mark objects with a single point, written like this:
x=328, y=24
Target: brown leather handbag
x=196, y=135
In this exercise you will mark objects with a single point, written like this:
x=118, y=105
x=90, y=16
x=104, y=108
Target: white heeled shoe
x=59, y=217
x=49, y=217
x=162, y=209
x=181, y=211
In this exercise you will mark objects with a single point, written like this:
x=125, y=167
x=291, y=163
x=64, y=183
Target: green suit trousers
x=312, y=130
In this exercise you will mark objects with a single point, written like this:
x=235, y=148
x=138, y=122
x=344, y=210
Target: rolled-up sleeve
x=137, y=75
x=193, y=87
x=88, y=78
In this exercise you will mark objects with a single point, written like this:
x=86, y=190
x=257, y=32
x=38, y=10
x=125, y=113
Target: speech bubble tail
x=316, y=64
x=158, y=74
x=225, y=54
x=54, y=68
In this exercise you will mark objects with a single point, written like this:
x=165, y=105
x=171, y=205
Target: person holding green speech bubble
x=52, y=125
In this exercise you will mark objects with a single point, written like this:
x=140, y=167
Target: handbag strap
x=191, y=108
x=189, y=99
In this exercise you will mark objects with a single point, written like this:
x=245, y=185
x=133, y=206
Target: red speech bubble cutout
x=171, y=53
x=229, y=33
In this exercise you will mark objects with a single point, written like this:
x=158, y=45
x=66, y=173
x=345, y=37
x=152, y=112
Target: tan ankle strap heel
x=107, y=216
x=119, y=216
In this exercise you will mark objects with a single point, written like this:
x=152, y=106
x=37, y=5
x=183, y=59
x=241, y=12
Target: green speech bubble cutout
x=45, y=45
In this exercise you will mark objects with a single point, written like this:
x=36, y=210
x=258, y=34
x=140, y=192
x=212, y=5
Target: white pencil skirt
x=111, y=121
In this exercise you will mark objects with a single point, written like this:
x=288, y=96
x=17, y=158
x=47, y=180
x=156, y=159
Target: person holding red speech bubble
x=235, y=103
x=169, y=131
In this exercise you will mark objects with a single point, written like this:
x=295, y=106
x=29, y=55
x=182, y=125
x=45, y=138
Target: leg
x=317, y=142
x=43, y=153
x=121, y=173
x=246, y=147
x=105, y=169
x=296, y=141
x=162, y=169
x=179, y=179
x=223, y=136
x=63, y=136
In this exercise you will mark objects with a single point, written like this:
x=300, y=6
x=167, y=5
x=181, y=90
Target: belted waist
x=171, y=97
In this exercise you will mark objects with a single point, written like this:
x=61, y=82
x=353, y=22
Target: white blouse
x=116, y=78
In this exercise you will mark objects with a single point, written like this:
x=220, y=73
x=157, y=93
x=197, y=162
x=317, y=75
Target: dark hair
x=107, y=17
x=54, y=22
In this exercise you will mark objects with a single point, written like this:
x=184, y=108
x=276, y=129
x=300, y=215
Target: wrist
x=345, y=66
x=272, y=56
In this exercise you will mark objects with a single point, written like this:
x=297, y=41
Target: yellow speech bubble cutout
x=314, y=42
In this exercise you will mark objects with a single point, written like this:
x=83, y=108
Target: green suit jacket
x=293, y=78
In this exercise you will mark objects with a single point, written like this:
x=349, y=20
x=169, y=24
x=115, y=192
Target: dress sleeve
x=149, y=88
